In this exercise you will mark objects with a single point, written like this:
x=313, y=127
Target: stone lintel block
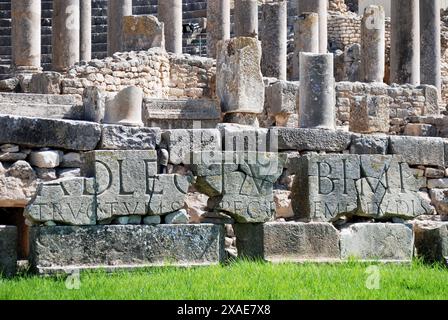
x=8, y=250
x=391, y=242
x=40, y=132
x=117, y=137
x=288, y=242
x=112, y=247
x=419, y=150
x=302, y=139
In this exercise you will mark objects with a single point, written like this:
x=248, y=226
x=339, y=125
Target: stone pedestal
x=26, y=35
x=373, y=44
x=430, y=53
x=65, y=34
x=317, y=91
x=116, y=10
x=125, y=108
x=218, y=24
x=239, y=82
x=306, y=38
x=273, y=36
x=321, y=8
x=170, y=13
x=86, y=30
x=405, y=42
x=246, y=18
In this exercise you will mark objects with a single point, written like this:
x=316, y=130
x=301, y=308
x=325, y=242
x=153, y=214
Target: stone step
x=41, y=106
x=59, y=249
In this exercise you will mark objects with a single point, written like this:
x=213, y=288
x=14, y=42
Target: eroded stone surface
x=55, y=249
x=293, y=241
x=327, y=187
x=240, y=185
x=431, y=241
x=116, y=137
x=17, y=184
x=377, y=241
x=8, y=250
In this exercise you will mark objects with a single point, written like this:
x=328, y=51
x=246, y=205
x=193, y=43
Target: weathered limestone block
x=127, y=183
x=181, y=113
x=431, y=241
x=48, y=82
x=327, y=187
x=67, y=201
x=371, y=115
x=324, y=187
x=17, y=184
x=239, y=82
x=39, y=132
x=420, y=130
x=61, y=249
x=377, y=241
x=116, y=137
x=45, y=159
x=182, y=142
x=439, y=198
x=177, y=217
x=125, y=108
x=283, y=207
x=239, y=184
x=8, y=251
x=246, y=138
x=369, y=144
x=352, y=62
x=302, y=139
x=288, y=242
x=281, y=100
x=142, y=33
x=388, y=189
x=419, y=150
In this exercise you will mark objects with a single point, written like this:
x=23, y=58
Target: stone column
x=321, y=8
x=218, y=24
x=26, y=35
x=317, y=98
x=373, y=44
x=246, y=18
x=306, y=38
x=405, y=42
x=430, y=52
x=86, y=30
x=65, y=44
x=274, y=34
x=116, y=10
x=170, y=13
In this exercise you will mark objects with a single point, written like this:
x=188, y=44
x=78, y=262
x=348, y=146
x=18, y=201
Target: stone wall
x=159, y=74
x=405, y=101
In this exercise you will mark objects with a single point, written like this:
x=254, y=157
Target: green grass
x=242, y=280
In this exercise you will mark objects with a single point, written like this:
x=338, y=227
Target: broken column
x=317, y=91
x=373, y=44
x=306, y=38
x=86, y=30
x=170, y=13
x=125, y=108
x=239, y=82
x=116, y=10
x=25, y=37
x=218, y=24
x=65, y=34
x=246, y=18
x=405, y=42
x=274, y=39
x=430, y=53
x=321, y=8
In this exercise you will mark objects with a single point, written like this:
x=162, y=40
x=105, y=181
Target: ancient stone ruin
x=146, y=133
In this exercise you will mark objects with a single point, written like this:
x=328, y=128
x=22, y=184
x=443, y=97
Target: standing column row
x=170, y=13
